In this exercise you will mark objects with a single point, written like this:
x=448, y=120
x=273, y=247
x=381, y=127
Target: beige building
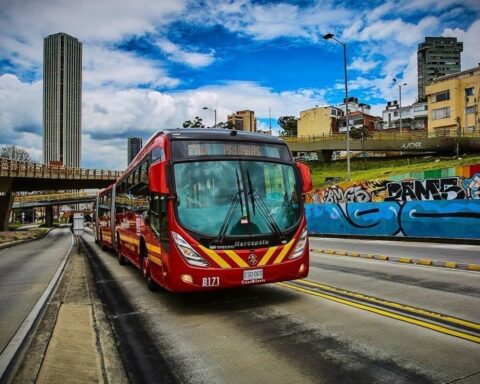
x=453, y=101
x=318, y=121
x=243, y=121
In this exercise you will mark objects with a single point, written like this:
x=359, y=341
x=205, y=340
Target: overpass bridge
x=442, y=141
x=52, y=199
x=16, y=176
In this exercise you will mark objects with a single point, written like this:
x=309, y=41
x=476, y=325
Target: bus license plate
x=252, y=274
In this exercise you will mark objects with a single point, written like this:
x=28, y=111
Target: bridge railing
x=379, y=135
x=21, y=199
x=15, y=168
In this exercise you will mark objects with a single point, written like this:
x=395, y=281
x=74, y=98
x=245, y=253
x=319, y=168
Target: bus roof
x=218, y=134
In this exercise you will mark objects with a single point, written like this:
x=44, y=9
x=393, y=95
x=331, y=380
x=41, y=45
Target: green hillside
x=382, y=167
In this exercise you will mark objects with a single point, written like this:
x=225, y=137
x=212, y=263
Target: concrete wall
x=443, y=203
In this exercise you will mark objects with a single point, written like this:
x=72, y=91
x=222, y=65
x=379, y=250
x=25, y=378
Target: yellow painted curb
x=370, y=256
x=473, y=267
x=381, y=257
x=329, y=251
x=424, y=262
x=354, y=254
x=341, y=253
x=405, y=260
x=450, y=264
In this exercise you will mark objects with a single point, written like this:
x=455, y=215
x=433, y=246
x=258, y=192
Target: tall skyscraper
x=134, y=146
x=437, y=56
x=62, y=100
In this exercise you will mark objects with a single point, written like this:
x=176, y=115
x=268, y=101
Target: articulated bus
x=201, y=209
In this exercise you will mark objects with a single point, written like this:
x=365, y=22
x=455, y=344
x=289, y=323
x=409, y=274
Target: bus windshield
x=236, y=198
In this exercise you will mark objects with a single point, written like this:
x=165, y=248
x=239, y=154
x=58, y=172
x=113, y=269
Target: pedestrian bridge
x=21, y=176
x=441, y=141
x=52, y=199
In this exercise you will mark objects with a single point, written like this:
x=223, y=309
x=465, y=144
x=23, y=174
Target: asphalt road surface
x=351, y=321
x=25, y=272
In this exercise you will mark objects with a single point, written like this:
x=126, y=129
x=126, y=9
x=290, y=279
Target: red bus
x=201, y=209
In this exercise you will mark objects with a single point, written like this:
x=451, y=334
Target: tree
x=225, y=125
x=14, y=153
x=196, y=123
x=362, y=134
x=288, y=124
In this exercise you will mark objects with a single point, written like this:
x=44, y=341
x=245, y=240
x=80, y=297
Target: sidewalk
x=73, y=342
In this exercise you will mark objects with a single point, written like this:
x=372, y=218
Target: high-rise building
x=62, y=100
x=243, y=121
x=437, y=56
x=134, y=146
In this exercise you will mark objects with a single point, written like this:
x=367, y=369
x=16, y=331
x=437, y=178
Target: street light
x=400, y=100
x=329, y=36
x=214, y=111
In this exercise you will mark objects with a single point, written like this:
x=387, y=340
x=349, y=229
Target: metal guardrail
x=15, y=168
x=410, y=136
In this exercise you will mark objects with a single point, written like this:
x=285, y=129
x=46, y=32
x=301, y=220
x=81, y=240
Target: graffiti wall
x=444, y=204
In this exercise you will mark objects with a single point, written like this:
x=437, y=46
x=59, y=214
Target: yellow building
x=243, y=121
x=318, y=121
x=453, y=102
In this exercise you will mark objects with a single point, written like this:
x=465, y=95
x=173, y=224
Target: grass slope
x=382, y=167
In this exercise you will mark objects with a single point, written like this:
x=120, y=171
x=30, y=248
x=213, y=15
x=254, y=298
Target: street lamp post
x=329, y=36
x=214, y=111
x=400, y=101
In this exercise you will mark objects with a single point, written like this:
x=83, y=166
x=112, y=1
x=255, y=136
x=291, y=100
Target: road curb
x=405, y=260
x=19, y=242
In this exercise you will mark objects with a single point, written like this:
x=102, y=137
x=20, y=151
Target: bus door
x=158, y=241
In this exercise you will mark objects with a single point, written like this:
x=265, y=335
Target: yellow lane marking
x=267, y=256
x=284, y=252
x=425, y=262
x=222, y=263
x=236, y=259
x=450, y=264
x=386, y=313
x=155, y=260
x=414, y=310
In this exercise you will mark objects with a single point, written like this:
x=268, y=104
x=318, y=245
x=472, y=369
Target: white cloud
x=471, y=45
x=105, y=66
x=192, y=59
x=24, y=23
x=362, y=65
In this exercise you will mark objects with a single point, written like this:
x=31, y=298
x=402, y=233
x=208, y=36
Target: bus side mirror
x=157, y=178
x=307, y=184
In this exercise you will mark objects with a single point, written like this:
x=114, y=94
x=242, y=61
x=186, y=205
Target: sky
x=152, y=64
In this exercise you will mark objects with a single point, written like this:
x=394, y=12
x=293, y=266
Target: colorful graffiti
x=446, y=207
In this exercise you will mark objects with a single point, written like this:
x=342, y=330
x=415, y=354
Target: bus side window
x=158, y=217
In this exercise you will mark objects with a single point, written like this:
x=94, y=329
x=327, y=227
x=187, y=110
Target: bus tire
x=121, y=259
x=145, y=263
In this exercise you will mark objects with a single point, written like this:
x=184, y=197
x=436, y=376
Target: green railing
x=378, y=135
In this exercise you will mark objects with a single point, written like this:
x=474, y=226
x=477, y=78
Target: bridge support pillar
x=49, y=216
x=6, y=203
x=325, y=156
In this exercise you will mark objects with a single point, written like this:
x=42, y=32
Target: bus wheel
x=121, y=259
x=152, y=286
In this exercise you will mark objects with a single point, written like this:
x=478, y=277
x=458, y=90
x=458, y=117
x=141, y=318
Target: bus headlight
x=300, y=245
x=188, y=253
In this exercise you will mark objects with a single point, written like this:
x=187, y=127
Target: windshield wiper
x=237, y=198
x=263, y=209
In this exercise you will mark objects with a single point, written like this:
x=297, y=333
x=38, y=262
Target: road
x=25, y=272
x=311, y=331
x=460, y=253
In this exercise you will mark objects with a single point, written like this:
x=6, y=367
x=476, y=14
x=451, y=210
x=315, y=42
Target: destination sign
x=202, y=149
x=188, y=149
